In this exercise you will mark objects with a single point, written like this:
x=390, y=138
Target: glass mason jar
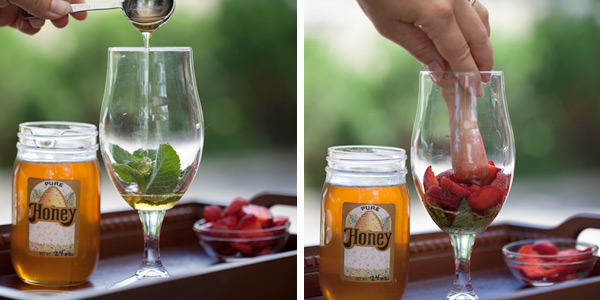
x=55, y=232
x=364, y=224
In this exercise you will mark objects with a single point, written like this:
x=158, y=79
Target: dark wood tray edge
x=431, y=253
x=121, y=234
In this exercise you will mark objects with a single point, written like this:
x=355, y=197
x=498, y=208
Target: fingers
x=483, y=15
x=383, y=15
x=61, y=22
x=477, y=37
x=416, y=42
x=45, y=9
x=80, y=16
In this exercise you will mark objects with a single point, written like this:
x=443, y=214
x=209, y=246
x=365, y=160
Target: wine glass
x=151, y=136
x=462, y=158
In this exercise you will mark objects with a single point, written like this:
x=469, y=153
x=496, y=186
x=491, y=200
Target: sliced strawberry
x=448, y=174
x=262, y=213
x=492, y=171
x=454, y=188
x=545, y=247
x=279, y=221
x=527, y=249
x=474, y=188
x=212, y=213
x=223, y=248
x=491, y=163
x=249, y=222
x=486, y=197
x=585, y=256
x=429, y=179
x=263, y=251
x=235, y=206
x=536, y=272
x=244, y=247
x=501, y=181
x=262, y=243
x=230, y=222
x=217, y=226
x=442, y=198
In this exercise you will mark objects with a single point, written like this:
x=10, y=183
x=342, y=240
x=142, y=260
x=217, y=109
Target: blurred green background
x=362, y=89
x=245, y=71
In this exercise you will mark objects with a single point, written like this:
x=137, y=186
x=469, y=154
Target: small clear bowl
x=547, y=270
x=236, y=245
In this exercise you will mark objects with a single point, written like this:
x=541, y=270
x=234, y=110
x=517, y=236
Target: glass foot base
x=154, y=272
x=142, y=275
x=462, y=296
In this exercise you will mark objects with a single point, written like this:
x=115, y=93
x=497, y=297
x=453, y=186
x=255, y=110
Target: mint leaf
x=125, y=172
x=141, y=153
x=468, y=221
x=165, y=175
x=120, y=155
x=438, y=215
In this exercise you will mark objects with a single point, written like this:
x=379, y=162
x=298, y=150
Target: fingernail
x=480, y=91
x=436, y=70
x=60, y=7
x=36, y=23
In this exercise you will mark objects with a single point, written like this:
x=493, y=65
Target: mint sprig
x=155, y=171
x=465, y=220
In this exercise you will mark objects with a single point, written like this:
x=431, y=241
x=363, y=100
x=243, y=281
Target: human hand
x=440, y=34
x=55, y=10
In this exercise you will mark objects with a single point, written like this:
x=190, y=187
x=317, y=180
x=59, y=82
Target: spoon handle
x=82, y=7
x=95, y=6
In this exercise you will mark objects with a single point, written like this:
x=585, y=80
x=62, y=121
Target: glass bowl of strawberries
x=549, y=261
x=240, y=231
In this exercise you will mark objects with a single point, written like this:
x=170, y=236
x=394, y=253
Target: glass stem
x=151, y=265
x=462, y=289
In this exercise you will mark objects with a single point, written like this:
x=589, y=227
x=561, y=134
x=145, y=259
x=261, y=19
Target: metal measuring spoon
x=145, y=15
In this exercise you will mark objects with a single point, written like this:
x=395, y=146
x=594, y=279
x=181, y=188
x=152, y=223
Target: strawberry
x=212, y=213
x=429, y=179
x=491, y=163
x=230, y=222
x=262, y=213
x=279, y=221
x=585, y=256
x=448, y=174
x=262, y=243
x=249, y=222
x=442, y=198
x=535, y=272
x=244, y=247
x=474, y=188
x=501, y=181
x=235, y=207
x=217, y=226
x=486, y=197
x=544, y=247
x=527, y=249
x=454, y=188
x=492, y=171
x=263, y=251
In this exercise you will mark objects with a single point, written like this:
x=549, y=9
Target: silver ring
x=471, y=2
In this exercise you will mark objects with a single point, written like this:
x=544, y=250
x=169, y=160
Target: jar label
x=53, y=217
x=368, y=242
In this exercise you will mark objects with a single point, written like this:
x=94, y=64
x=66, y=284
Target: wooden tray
x=431, y=266
x=194, y=274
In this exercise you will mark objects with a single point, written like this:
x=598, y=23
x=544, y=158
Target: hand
x=438, y=33
x=55, y=10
